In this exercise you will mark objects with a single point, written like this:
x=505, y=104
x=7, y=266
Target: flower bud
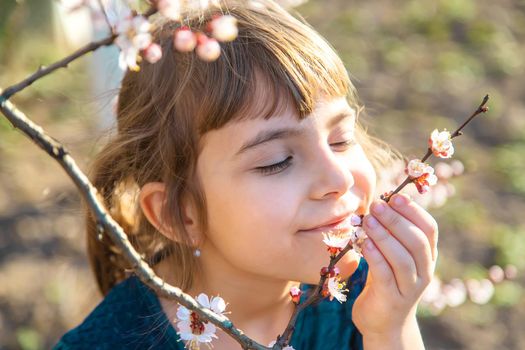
x=295, y=293
x=224, y=28
x=440, y=143
x=184, y=40
x=511, y=272
x=496, y=274
x=443, y=170
x=455, y=292
x=457, y=167
x=208, y=49
x=152, y=53
x=356, y=220
x=480, y=292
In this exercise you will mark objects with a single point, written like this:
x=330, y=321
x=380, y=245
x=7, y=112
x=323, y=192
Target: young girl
x=225, y=174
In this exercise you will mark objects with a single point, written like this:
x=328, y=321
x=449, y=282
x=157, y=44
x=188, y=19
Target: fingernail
x=400, y=200
x=379, y=208
x=371, y=222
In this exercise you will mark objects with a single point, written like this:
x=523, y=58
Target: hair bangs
x=263, y=72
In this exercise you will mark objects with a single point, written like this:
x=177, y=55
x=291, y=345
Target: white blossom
x=133, y=36
x=336, y=289
x=441, y=144
x=192, y=328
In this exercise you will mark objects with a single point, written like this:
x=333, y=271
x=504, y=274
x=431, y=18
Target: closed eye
x=275, y=168
x=347, y=143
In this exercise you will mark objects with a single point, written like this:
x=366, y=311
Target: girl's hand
x=401, y=253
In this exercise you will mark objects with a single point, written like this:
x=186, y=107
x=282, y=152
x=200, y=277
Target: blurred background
x=417, y=65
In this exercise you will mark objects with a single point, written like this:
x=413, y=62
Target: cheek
x=365, y=179
x=244, y=214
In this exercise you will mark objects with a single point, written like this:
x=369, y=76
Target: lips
x=341, y=223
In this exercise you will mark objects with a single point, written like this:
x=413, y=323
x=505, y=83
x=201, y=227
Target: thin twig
x=481, y=109
x=314, y=296
x=63, y=63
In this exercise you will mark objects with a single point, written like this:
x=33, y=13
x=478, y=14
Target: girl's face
x=268, y=183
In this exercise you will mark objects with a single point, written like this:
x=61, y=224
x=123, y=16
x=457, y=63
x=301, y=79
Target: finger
x=396, y=255
x=379, y=269
x=420, y=217
x=409, y=235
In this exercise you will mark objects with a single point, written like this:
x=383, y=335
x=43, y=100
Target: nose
x=333, y=175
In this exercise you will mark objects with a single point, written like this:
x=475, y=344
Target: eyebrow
x=275, y=134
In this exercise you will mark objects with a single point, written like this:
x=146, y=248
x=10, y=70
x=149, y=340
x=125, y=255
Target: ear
x=152, y=199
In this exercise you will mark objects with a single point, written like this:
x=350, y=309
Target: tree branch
x=63, y=63
x=481, y=109
x=112, y=228
x=314, y=297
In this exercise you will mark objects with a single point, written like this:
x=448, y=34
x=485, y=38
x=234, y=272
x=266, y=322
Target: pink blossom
x=496, y=274
x=184, y=40
x=441, y=144
x=224, y=28
x=153, y=53
x=443, y=170
x=208, y=49
x=336, y=242
x=480, y=292
x=417, y=168
x=455, y=292
x=458, y=167
x=356, y=220
x=511, y=272
x=439, y=195
x=133, y=36
x=295, y=293
x=424, y=182
x=422, y=174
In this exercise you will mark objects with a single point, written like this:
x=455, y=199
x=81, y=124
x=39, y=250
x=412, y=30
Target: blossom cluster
x=421, y=173
x=437, y=195
x=336, y=241
x=333, y=287
x=456, y=292
x=133, y=32
x=192, y=328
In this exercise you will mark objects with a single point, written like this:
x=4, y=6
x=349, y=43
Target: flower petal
x=218, y=305
x=203, y=300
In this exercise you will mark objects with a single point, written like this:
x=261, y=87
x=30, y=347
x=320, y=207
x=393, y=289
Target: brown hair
x=166, y=107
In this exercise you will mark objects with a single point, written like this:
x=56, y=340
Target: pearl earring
x=197, y=252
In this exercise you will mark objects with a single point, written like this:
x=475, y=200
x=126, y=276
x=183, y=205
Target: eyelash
x=346, y=143
x=278, y=167
x=275, y=168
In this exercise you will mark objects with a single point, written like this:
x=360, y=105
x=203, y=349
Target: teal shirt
x=131, y=317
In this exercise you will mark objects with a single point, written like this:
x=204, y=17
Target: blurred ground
x=417, y=65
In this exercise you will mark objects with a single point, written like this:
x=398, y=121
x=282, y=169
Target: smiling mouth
x=342, y=225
